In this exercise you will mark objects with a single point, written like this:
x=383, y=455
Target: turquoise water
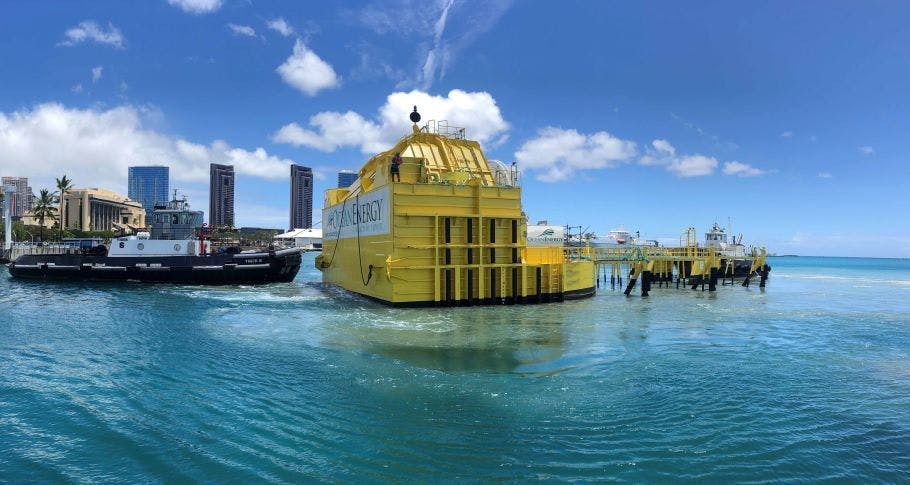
x=809, y=379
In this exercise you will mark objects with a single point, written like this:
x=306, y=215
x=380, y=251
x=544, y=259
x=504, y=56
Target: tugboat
x=139, y=258
x=729, y=250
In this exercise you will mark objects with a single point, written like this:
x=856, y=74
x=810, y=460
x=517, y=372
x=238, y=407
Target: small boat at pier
x=730, y=251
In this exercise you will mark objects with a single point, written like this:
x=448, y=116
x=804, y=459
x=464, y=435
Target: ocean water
x=806, y=380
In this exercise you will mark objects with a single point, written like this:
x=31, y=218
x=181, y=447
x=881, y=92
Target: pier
x=686, y=266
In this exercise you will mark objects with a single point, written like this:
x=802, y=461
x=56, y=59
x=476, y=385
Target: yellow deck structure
x=450, y=232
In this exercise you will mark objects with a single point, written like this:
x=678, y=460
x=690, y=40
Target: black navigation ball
x=415, y=116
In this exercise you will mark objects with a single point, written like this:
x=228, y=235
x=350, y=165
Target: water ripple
x=807, y=380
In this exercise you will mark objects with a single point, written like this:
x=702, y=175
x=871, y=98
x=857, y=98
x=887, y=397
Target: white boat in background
x=717, y=238
x=620, y=235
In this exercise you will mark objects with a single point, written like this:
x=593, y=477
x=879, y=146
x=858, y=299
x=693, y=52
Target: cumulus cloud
x=740, y=169
x=281, y=26
x=663, y=154
x=306, y=71
x=88, y=30
x=244, y=30
x=693, y=165
x=866, y=150
x=95, y=147
x=96, y=73
x=197, y=6
x=556, y=154
x=327, y=131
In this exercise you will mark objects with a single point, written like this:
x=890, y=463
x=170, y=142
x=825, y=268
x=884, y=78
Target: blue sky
x=789, y=118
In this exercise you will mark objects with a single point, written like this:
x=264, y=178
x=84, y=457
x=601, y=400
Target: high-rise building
x=148, y=185
x=221, y=195
x=301, y=197
x=21, y=197
x=346, y=178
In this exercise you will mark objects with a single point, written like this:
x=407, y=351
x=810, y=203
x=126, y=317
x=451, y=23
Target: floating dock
x=448, y=229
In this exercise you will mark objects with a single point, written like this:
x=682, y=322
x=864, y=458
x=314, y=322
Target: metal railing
x=443, y=128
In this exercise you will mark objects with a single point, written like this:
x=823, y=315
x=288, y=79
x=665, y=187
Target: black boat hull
x=214, y=269
x=741, y=268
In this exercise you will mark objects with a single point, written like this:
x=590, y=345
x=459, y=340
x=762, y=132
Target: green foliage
x=44, y=209
x=63, y=185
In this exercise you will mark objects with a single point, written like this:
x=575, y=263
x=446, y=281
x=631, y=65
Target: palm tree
x=63, y=185
x=44, y=209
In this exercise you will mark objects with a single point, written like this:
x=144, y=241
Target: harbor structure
x=175, y=220
x=221, y=195
x=301, y=197
x=305, y=239
x=20, y=195
x=346, y=178
x=433, y=222
x=94, y=209
x=148, y=185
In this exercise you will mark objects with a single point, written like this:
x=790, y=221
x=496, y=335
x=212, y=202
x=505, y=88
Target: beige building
x=100, y=210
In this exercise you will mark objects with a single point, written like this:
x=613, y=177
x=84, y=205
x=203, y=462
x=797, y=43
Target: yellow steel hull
x=440, y=244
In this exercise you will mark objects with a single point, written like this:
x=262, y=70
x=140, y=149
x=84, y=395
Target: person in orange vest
x=395, y=167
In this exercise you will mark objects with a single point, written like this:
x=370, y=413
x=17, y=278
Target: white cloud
x=866, y=150
x=281, y=26
x=663, y=154
x=95, y=147
x=244, y=30
x=693, y=166
x=96, y=73
x=435, y=62
x=477, y=112
x=305, y=71
x=88, y=30
x=556, y=153
x=787, y=134
x=740, y=169
x=197, y=6
x=825, y=175
x=439, y=29
x=76, y=88
x=663, y=146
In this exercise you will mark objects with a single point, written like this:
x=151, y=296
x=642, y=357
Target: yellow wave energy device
x=446, y=229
